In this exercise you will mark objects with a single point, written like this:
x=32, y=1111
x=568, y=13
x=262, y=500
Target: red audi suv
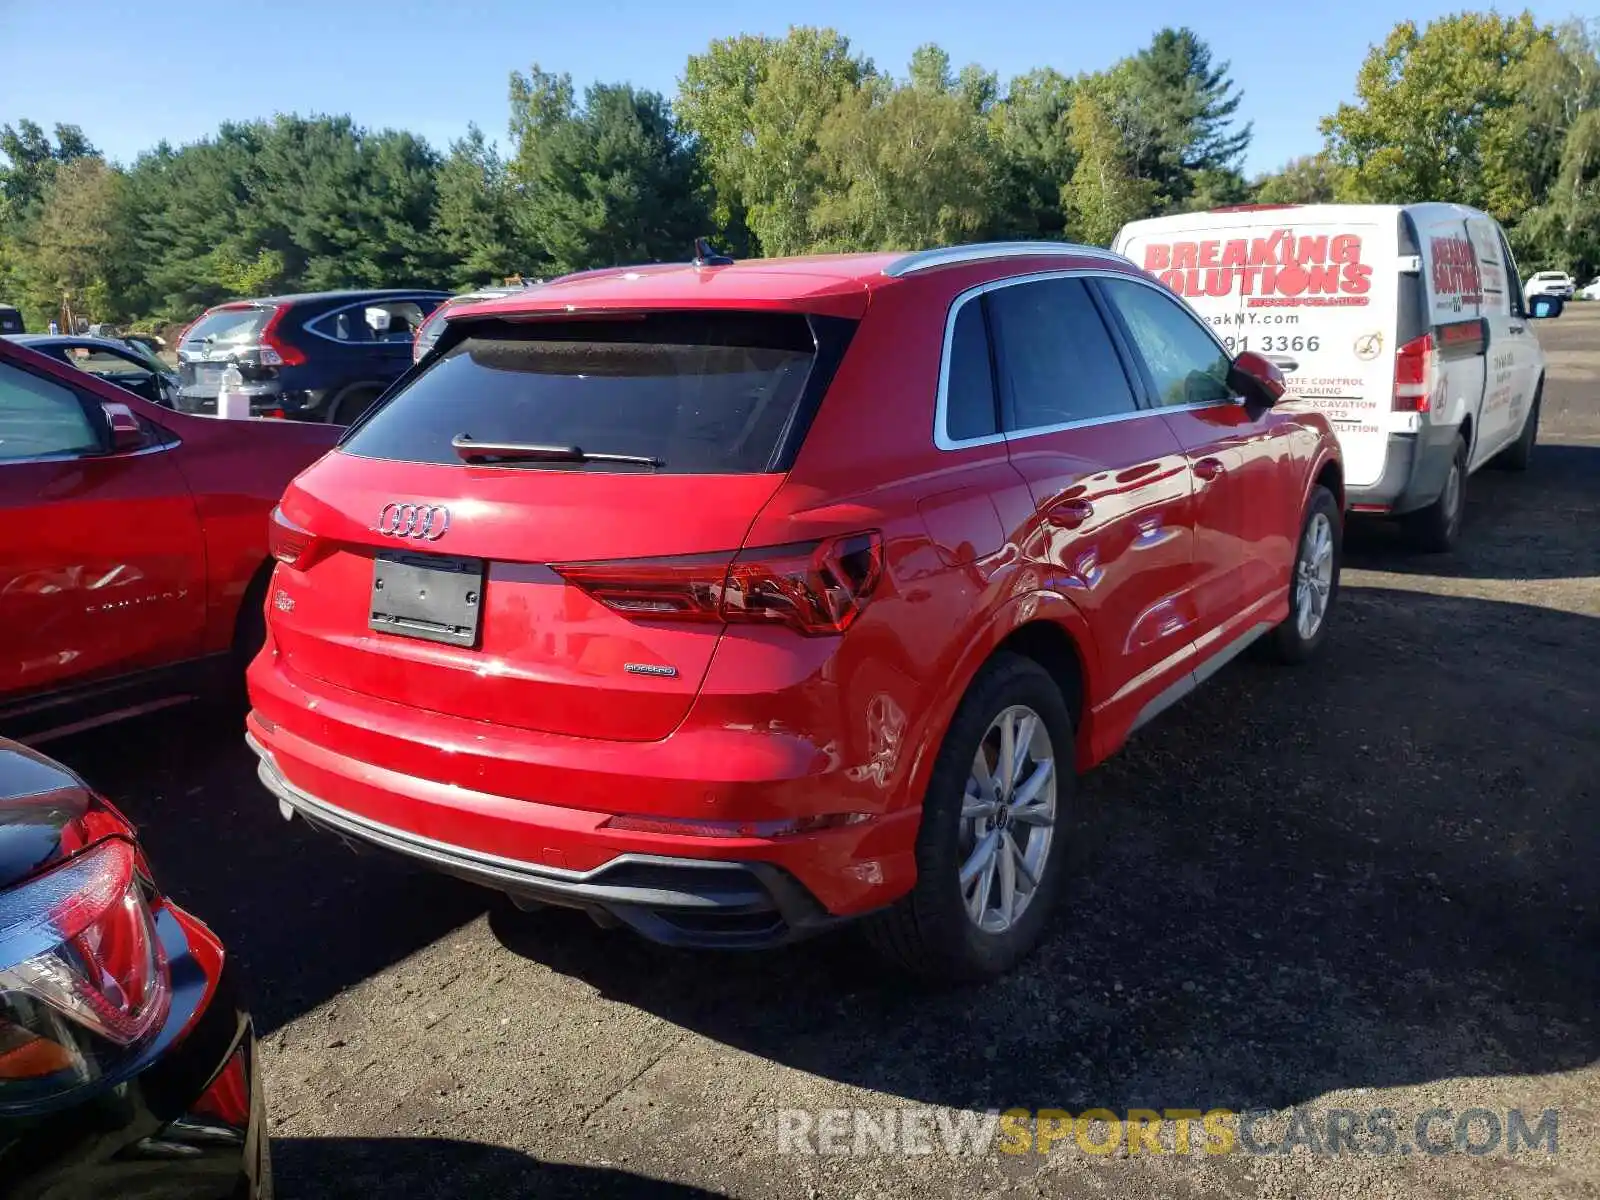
x=730, y=601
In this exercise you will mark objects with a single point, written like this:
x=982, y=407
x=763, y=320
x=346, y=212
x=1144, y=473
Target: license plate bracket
x=434, y=597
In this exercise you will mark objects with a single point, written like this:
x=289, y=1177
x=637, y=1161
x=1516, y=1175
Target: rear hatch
x=425, y=571
x=1312, y=288
x=207, y=346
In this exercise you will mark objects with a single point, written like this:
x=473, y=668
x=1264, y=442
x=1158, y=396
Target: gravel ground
x=1367, y=884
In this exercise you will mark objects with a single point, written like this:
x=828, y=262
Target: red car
x=133, y=553
x=730, y=601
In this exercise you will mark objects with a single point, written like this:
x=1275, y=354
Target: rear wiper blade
x=472, y=450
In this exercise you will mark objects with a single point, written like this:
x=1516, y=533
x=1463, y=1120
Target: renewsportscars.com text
x=1375, y=1132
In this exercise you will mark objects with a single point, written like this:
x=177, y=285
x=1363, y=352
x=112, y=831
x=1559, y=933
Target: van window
x=1497, y=284
x=1184, y=360
x=701, y=392
x=1056, y=360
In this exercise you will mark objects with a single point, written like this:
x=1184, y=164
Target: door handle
x=1069, y=514
x=1515, y=328
x=1208, y=468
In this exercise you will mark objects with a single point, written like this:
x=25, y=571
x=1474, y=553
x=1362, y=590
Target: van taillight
x=814, y=587
x=287, y=542
x=1413, y=364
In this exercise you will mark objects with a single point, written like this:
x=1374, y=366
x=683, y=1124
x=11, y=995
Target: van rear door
x=1316, y=293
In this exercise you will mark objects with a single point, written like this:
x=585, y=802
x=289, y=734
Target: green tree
x=540, y=102
x=472, y=220
x=902, y=167
x=755, y=107
x=615, y=182
x=1175, y=108
x=1541, y=160
x=70, y=242
x=1030, y=140
x=1431, y=106
x=1104, y=192
x=1309, y=179
x=31, y=162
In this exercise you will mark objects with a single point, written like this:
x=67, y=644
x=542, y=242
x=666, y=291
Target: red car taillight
x=287, y=542
x=1413, y=364
x=815, y=587
x=275, y=352
x=84, y=981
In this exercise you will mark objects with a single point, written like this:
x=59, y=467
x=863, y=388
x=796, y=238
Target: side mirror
x=1257, y=378
x=1542, y=308
x=126, y=432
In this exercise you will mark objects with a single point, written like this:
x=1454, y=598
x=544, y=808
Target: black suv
x=322, y=356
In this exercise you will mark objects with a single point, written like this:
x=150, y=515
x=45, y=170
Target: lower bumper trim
x=688, y=902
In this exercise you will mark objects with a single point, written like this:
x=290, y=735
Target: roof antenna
x=705, y=256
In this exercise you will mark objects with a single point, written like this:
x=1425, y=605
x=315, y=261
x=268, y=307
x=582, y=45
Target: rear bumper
x=267, y=396
x=1414, y=470
x=674, y=901
x=527, y=814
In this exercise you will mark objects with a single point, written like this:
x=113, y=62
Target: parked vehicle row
x=324, y=356
x=134, y=558
x=727, y=602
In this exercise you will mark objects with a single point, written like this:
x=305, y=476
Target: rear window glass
x=229, y=327
x=701, y=393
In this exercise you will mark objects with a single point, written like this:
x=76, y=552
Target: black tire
x=352, y=405
x=1288, y=642
x=250, y=625
x=929, y=932
x=1437, y=528
x=1519, y=455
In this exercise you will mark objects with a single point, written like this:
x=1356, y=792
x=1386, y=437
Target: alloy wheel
x=1314, y=576
x=1008, y=815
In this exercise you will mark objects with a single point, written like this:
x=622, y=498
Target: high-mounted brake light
x=1413, y=367
x=287, y=542
x=817, y=588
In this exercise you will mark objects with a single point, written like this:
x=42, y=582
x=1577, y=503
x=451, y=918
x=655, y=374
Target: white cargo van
x=1406, y=325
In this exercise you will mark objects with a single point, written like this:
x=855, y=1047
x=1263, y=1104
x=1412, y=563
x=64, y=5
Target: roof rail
x=946, y=256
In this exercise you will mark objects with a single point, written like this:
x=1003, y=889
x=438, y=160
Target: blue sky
x=132, y=76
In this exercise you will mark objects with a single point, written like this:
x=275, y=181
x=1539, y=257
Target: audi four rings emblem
x=425, y=522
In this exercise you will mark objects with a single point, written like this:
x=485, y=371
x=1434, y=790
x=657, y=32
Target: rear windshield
x=229, y=327
x=700, y=393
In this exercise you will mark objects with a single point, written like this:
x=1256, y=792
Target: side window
x=970, y=409
x=108, y=365
x=387, y=321
x=1492, y=274
x=1056, y=358
x=1514, y=299
x=38, y=418
x=1184, y=360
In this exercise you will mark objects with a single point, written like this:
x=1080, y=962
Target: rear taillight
x=275, y=352
x=287, y=542
x=83, y=977
x=815, y=587
x=1413, y=367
